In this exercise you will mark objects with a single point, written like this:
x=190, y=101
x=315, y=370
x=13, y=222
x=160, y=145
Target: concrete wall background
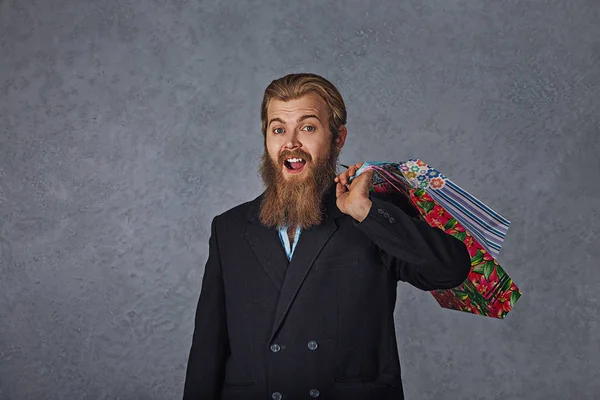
x=125, y=126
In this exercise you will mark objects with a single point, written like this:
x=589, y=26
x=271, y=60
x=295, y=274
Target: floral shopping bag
x=488, y=290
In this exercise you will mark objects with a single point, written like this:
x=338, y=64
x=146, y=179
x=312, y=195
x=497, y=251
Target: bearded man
x=299, y=289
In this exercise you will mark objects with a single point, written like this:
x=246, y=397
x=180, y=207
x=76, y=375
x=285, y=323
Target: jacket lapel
x=309, y=245
x=288, y=276
x=266, y=245
x=307, y=250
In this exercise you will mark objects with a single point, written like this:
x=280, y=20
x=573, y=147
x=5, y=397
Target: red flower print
x=440, y=211
x=473, y=247
x=427, y=197
x=436, y=183
x=487, y=256
x=485, y=286
x=442, y=215
x=473, y=278
x=503, y=301
x=444, y=297
x=493, y=276
x=470, y=307
x=496, y=310
x=434, y=222
x=441, y=298
x=454, y=303
x=421, y=163
x=469, y=241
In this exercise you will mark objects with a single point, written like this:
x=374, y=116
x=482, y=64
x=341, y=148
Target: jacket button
x=276, y=396
x=314, y=393
x=380, y=211
x=392, y=220
x=386, y=215
x=275, y=347
x=312, y=345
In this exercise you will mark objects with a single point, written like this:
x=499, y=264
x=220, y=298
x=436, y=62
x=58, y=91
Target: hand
x=354, y=199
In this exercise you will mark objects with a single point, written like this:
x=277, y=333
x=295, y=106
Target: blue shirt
x=285, y=240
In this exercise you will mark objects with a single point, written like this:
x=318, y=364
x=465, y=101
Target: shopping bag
x=488, y=289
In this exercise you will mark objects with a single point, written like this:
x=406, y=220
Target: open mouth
x=294, y=165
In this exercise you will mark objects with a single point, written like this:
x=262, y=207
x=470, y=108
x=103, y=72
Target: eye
x=310, y=128
x=278, y=130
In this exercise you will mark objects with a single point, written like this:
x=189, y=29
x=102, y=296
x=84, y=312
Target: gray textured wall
x=125, y=126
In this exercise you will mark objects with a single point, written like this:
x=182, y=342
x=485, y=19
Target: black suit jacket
x=320, y=326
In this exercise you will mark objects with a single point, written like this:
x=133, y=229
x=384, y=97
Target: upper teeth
x=294, y=160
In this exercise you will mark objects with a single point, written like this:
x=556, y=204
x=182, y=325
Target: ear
x=341, y=139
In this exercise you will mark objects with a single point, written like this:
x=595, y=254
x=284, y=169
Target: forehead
x=311, y=103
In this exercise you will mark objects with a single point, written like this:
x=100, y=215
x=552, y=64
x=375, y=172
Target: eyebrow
x=302, y=118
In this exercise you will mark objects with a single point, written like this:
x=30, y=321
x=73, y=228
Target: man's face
x=298, y=135
x=299, y=162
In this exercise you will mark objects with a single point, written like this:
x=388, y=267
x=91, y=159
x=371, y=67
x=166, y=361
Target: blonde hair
x=294, y=86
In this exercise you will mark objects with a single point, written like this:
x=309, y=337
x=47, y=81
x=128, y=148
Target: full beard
x=296, y=201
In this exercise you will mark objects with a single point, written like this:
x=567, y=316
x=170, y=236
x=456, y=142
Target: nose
x=292, y=142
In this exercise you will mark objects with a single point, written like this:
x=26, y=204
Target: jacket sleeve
x=426, y=257
x=210, y=346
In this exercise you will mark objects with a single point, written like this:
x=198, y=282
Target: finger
x=368, y=181
x=339, y=177
x=345, y=177
x=356, y=167
x=340, y=189
x=353, y=184
x=353, y=169
x=365, y=180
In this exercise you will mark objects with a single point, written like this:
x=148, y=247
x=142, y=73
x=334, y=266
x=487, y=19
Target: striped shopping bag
x=488, y=290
